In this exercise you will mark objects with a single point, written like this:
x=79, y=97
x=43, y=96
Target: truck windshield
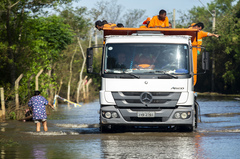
x=146, y=58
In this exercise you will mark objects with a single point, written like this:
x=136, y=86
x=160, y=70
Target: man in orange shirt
x=159, y=21
x=104, y=24
x=201, y=34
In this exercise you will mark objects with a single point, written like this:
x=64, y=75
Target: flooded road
x=73, y=133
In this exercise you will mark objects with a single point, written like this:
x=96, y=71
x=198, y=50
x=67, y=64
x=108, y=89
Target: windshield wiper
x=164, y=72
x=136, y=76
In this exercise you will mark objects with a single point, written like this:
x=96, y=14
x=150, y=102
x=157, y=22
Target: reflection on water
x=153, y=145
x=39, y=151
x=74, y=133
x=78, y=125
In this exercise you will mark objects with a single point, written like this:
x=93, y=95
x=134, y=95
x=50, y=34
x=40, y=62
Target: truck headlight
x=182, y=115
x=108, y=115
x=177, y=115
x=114, y=115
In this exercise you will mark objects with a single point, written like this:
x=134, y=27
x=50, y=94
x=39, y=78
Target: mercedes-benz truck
x=148, y=78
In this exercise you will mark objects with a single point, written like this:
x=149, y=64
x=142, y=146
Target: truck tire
x=108, y=129
x=195, y=118
x=196, y=106
x=192, y=127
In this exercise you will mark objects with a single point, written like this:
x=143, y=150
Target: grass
x=8, y=143
x=217, y=94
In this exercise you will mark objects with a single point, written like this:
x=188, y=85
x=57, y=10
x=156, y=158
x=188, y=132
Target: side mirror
x=205, y=61
x=89, y=60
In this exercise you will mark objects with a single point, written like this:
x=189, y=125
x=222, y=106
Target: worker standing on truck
x=159, y=21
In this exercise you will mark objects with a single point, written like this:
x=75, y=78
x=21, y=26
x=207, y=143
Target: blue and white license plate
x=146, y=114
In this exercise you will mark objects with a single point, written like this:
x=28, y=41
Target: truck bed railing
x=164, y=31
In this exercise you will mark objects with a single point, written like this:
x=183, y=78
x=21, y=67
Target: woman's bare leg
x=45, y=125
x=38, y=126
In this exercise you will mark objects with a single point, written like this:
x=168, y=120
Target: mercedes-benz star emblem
x=146, y=98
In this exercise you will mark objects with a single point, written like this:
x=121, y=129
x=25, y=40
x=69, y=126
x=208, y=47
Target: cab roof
x=167, y=39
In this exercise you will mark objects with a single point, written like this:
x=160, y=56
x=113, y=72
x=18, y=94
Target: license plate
x=146, y=114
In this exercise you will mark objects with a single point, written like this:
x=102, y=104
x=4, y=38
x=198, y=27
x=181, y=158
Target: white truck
x=148, y=78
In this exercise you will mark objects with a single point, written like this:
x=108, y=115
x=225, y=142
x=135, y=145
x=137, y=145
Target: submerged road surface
x=74, y=133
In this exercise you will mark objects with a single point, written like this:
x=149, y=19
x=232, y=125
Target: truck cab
x=148, y=78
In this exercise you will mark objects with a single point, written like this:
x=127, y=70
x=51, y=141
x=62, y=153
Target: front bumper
x=163, y=117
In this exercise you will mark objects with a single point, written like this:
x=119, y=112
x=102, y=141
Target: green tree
x=132, y=18
x=224, y=50
x=228, y=50
x=47, y=37
x=13, y=15
x=77, y=19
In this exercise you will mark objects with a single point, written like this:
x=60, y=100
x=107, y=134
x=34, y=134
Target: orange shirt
x=156, y=22
x=109, y=25
x=201, y=34
x=143, y=26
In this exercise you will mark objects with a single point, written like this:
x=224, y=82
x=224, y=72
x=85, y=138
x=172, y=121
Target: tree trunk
x=70, y=77
x=84, y=89
x=29, y=87
x=36, y=84
x=9, y=50
x=87, y=87
x=61, y=82
x=81, y=73
x=16, y=91
x=2, y=116
x=95, y=35
x=50, y=86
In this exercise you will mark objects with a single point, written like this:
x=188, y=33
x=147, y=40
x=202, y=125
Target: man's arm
x=211, y=34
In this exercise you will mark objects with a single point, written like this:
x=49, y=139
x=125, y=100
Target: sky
x=152, y=7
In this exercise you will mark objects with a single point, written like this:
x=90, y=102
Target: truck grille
x=158, y=99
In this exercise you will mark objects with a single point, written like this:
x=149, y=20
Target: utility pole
x=213, y=53
x=214, y=20
x=95, y=35
x=174, y=15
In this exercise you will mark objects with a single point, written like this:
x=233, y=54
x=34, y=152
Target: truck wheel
x=109, y=129
x=188, y=128
x=192, y=127
x=196, y=113
x=195, y=120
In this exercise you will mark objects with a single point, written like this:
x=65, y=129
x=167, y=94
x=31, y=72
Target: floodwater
x=74, y=133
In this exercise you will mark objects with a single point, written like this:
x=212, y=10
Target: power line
x=206, y=7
